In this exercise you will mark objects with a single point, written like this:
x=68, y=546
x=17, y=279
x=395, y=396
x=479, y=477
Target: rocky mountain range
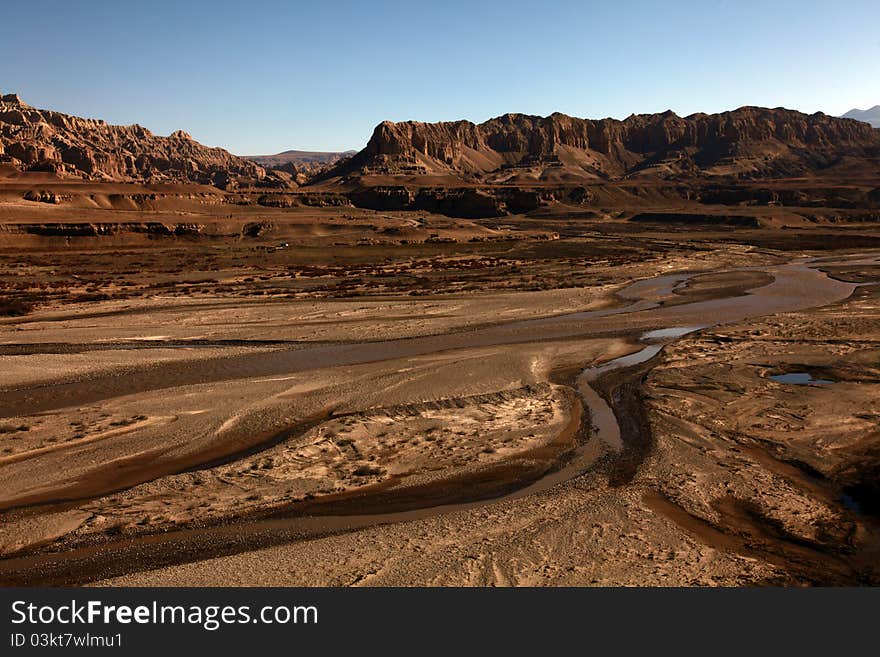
x=750, y=142
x=513, y=150
x=871, y=116
x=43, y=140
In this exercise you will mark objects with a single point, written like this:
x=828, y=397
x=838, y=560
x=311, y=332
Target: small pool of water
x=673, y=332
x=799, y=379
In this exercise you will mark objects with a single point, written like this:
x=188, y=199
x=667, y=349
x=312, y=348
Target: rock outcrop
x=44, y=140
x=750, y=142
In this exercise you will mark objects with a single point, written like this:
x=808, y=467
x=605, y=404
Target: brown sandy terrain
x=723, y=498
x=401, y=435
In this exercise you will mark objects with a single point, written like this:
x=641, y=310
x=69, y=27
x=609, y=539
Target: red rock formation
x=750, y=141
x=44, y=140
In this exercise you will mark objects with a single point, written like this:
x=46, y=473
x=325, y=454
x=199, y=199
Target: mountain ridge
x=34, y=139
x=300, y=164
x=508, y=150
x=870, y=115
x=746, y=142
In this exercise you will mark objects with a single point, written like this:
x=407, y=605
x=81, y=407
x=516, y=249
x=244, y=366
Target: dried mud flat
x=334, y=431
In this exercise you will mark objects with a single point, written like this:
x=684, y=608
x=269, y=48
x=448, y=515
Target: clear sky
x=260, y=77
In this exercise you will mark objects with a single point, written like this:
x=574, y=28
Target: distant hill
x=752, y=142
x=303, y=161
x=871, y=116
x=43, y=140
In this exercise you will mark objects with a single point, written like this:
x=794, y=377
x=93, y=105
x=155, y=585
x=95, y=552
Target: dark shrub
x=14, y=307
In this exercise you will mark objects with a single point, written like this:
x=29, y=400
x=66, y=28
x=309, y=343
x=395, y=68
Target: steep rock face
x=750, y=141
x=441, y=141
x=43, y=140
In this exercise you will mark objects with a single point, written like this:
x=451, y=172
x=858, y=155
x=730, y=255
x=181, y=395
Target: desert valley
x=529, y=351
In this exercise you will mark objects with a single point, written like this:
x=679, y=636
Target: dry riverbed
x=145, y=430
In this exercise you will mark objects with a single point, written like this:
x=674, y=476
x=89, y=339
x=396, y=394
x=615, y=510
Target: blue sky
x=260, y=77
